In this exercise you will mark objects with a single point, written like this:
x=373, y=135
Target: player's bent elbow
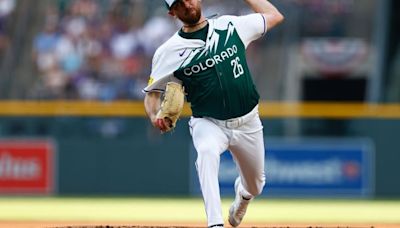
x=274, y=19
x=279, y=17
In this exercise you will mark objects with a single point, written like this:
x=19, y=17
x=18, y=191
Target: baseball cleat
x=238, y=207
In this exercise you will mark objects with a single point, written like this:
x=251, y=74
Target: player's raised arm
x=272, y=15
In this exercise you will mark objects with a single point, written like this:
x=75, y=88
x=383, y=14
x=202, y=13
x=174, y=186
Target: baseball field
x=183, y=212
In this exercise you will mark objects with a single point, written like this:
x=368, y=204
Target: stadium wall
x=124, y=155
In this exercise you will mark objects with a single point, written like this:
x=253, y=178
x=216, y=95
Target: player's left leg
x=248, y=152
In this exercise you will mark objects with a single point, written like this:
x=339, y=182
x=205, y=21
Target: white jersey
x=175, y=52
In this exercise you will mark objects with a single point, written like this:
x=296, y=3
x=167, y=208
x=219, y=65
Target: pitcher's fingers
x=161, y=125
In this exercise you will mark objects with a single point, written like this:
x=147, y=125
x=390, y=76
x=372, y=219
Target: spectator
x=6, y=8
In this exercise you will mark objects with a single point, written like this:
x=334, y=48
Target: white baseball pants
x=243, y=137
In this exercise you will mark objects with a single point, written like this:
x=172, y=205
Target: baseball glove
x=171, y=106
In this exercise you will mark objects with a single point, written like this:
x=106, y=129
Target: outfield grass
x=191, y=210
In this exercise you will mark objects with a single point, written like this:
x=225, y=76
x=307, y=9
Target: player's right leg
x=209, y=141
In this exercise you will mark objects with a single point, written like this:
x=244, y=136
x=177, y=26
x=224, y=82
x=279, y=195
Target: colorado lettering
x=211, y=62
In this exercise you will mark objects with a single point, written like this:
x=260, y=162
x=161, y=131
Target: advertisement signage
x=309, y=168
x=26, y=167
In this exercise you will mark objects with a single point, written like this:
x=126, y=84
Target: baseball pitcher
x=205, y=61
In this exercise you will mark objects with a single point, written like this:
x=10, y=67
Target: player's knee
x=258, y=187
x=261, y=185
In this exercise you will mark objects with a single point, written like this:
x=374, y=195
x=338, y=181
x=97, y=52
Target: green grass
x=191, y=210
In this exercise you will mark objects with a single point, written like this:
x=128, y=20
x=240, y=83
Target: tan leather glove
x=171, y=106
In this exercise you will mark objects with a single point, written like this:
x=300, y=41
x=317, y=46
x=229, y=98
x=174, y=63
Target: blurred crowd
x=91, y=49
x=332, y=16
x=102, y=49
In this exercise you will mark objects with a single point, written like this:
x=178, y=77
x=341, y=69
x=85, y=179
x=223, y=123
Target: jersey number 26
x=237, y=67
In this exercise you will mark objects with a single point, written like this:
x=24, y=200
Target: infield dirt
x=69, y=224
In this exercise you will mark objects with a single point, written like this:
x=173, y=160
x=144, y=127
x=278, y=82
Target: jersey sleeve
x=161, y=73
x=250, y=27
